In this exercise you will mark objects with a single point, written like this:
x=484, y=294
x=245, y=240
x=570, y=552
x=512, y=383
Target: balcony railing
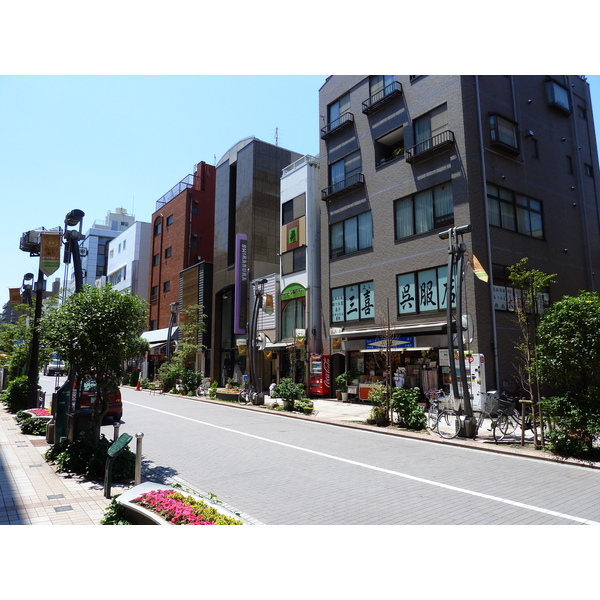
x=338, y=124
x=387, y=94
x=184, y=184
x=350, y=183
x=427, y=148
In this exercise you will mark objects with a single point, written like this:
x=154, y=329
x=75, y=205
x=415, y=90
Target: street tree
x=182, y=364
x=95, y=330
x=568, y=357
x=531, y=283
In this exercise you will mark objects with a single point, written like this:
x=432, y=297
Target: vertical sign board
x=240, y=306
x=49, y=252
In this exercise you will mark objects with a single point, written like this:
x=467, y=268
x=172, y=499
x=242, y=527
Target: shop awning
x=157, y=337
x=417, y=328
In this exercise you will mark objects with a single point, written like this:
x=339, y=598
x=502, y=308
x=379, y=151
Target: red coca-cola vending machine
x=320, y=375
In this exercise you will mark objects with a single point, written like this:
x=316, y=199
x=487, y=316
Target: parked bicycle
x=508, y=419
x=444, y=421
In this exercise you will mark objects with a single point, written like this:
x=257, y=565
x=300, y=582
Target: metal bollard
x=138, y=458
x=116, y=430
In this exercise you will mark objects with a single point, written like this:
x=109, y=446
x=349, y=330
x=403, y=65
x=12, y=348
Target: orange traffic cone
x=138, y=387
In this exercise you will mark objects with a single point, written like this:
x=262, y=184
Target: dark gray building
x=246, y=246
x=404, y=158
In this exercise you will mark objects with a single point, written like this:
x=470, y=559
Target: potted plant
x=405, y=403
x=342, y=382
x=289, y=391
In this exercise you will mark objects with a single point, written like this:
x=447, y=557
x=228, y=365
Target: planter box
x=228, y=396
x=142, y=516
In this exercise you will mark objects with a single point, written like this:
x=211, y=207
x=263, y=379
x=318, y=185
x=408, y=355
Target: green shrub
x=83, y=457
x=114, y=514
x=212, y=391
x=31, y=425
x=573, y=422
x=405, y=402
x=144, y=383
x=15, y=396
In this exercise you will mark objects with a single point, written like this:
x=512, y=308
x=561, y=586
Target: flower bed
x=38, y=412
x=228, y=395
x=155, y=504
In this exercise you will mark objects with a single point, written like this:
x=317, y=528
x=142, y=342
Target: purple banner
x=240, y=307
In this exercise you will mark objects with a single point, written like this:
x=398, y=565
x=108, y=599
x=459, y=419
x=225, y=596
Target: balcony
x=434, y=145
x=338, y=124
x=341, y=187
x=381, y=98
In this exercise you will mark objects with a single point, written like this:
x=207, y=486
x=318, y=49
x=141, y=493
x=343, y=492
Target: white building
x=128, y=265
x=94, y=253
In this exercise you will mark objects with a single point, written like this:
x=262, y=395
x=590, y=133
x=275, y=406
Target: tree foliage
x=96, y=330
x=569, y=360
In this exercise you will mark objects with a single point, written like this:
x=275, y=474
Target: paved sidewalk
x=33, y=493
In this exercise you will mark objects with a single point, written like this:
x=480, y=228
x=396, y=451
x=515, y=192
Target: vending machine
x=475, y=369
x=320, y=375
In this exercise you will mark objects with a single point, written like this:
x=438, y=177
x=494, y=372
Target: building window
x=424, y=291
x=292, y=317
x=430, y=125
x=118, y=276
x=154, y=291
x=389, y=147
x=353, y=303
x=169, y=220
x=558, y=96
x=504, y=133
x=581, y=112
x=157, y=228
x=156, y=260
x=337, y=109
x=293, y=209
x=152, y=324
x=351, y=235
x=514, y=212
x=424, y=211
x=124, y=245
x=588, y=169
x=535, y=153
x=569, y=165
x=166, y=286
x=168, y=252
x=343, y=172
x=293, y=261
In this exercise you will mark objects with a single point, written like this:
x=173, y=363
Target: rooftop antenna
x=277, y=136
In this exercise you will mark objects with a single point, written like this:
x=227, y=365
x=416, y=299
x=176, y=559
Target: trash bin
x=77, y=421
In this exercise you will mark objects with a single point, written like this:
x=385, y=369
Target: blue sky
x=101, y=142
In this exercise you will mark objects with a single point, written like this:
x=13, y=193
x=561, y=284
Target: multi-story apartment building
x=129, y=260
x=300, y=274
x=180, y=259
x=182, y=236
x=405, y=158
x=94, y=248
x=246, y=248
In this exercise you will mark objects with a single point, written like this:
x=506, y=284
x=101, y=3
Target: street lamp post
x=253, y=342
x=456, y=256
x=174, y=309
x=33, y=375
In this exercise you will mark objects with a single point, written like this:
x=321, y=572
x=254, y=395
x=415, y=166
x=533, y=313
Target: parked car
x=115, y=406
x=55, y=367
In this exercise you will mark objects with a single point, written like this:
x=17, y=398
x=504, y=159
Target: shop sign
x=382, y=344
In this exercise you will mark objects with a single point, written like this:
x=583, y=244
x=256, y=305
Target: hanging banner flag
x=14, y=295
x=49, y=252
x=477, y=267
x=269, y=306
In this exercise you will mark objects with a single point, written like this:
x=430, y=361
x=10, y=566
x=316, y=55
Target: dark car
x=115, y=406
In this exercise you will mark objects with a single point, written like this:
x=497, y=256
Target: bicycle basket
x=504, y=404
x=490, y=405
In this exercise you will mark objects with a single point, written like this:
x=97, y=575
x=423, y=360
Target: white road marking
x=453, y=488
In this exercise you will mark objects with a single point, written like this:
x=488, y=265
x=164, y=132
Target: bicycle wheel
x=432, y=417
x=448, y=424
x=513, y=420
x=503, y=426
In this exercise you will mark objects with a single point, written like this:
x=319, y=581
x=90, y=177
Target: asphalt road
x=278, y=470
